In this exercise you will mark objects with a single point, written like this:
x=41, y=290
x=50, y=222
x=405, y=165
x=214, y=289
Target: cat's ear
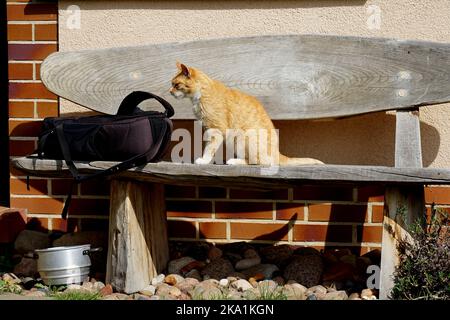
x=185, y=70
x=179, y=65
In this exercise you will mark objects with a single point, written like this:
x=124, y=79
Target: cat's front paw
x=202, y=161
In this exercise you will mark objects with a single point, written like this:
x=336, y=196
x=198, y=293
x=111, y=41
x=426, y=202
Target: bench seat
x=178, y=173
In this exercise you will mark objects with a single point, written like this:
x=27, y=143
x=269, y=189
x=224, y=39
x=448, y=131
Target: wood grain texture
x=193, y=174
x=138, y=244
x=408, y=147
x=403, y=206
x=294, y=76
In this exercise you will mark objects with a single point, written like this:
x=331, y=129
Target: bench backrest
x=295, y=76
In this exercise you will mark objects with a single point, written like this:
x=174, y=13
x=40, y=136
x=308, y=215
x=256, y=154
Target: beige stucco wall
x=366, y=139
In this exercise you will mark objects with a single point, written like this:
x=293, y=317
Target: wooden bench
x=295, y=77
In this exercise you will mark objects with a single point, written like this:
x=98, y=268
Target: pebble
x=247, y=263
x=158, y=279
x=187, y=284
x=311, y=296
x=214, y=253
x=73, y=287
x=98, y=285
x=35, y=294
x=173, y=279
x=354, y=296
x=336, y=295
x=295, y=291
x=367, y=293
x=194, y=274
x=218, y=269
x=138, y=296
x=106, y=290
x=224, y=282
x=279, y=280
x=267, y=270
x=148, y=290
x=241, y=285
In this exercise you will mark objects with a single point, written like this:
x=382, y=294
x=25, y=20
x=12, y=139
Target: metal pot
x=64, y=265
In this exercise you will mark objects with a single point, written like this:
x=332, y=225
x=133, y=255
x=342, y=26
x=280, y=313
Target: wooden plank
x=402, y=208
x=408, y=148
x=168, y=172
x=295, y=76
x=138, y=245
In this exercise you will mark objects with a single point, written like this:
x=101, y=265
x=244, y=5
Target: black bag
x=133, y=137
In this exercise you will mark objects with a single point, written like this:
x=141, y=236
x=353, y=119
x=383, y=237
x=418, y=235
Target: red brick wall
x=316, y=216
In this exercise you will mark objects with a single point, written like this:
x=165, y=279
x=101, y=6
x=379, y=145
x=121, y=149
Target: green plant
x=424, y=268
x=76, y=295
x=268, y=292
x=10, y=287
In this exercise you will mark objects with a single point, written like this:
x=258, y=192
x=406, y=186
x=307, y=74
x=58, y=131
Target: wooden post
x=138, y=246
x=403, y=204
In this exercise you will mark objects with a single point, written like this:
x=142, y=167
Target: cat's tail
x=298, y=161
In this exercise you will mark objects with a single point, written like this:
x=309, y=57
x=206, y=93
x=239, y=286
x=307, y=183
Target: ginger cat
x=222, y=108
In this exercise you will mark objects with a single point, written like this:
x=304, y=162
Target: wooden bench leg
x=138, y=246
x=403, y=205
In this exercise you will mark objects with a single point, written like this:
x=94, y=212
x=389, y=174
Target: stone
x=339, y=271
x=138, y=296
x=354, y=296
x=311, y=296
x=11, y=278
x=198, y=250
x=218, y=269
x=194, y=274
x=306, y=251
x=267, y=270
x=106, y=290
x=173, y=279
x=155, y=298
x=321, y=290
x=88, y=286
x=279, y=280
x=214, y=253
x=306, y=270
x=164, y=290
x=110, y=297
x=241, y=285
x=349, y=259
x=269, y=285
x=27, y=267
x=237, y=275
x=247, y=263
x=73, y=287
x=205, y=293
x=175, y=266
x=250, y=253
x=158, y=279
x=367, y=293
x=29, y=240
x=36, y=294
x=278, y=255
x=295, y=291
x=148, y=290
x=336, y=295
x=224, y=282
x=187, y=285
x=233, y=257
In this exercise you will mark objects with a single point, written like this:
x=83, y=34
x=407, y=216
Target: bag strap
x=127, y=164
x=130, y=102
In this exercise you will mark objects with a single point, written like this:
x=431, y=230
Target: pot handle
x=87, y=252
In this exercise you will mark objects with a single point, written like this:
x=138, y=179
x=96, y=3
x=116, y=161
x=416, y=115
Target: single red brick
x=190, y=209
x=329, y=233
x=20, y=32
x=278, y=194
x=29, y=91
x=438, y=195
x=21, y=148
x=259, y=231
x=243, y=210
x=324, y=193
x=371, y=194
x=213, y=230
x=59, y=224
x=22, y=128
x=21, y=109
x=12, y=222
x=46, y=32
x=377, y=213
x=30, y=51
x=20, y=71
x=39, y=205
x=47, y=109
x=288, y=211
x=32, y=12
x=181, y=229
x=179, y=191
x=337, y=213
x=37, y=186
x=369, y=234
x=212, y=192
